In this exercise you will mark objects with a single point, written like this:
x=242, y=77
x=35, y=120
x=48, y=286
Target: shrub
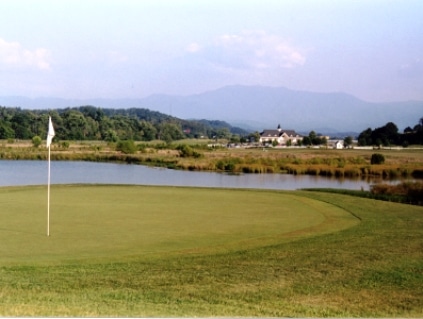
x=36, y=141
x=228, y=165
x=408, y=192
x=187, y=151
x=377, y=158
x=127, y=147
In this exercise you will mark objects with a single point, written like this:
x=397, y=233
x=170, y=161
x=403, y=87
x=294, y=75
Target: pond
x=14, y=173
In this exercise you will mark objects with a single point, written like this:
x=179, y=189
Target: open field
x=168, y=251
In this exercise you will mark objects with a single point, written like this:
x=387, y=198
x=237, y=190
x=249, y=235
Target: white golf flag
x=50, y=133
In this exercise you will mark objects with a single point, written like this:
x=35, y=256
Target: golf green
x=93, y=222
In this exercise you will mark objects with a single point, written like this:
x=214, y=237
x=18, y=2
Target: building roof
x=269, y=133
x=276, y=133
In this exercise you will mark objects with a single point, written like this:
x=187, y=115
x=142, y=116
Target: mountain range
x=257, y=108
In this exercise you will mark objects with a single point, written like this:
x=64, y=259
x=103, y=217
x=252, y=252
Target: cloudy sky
x=372, y=49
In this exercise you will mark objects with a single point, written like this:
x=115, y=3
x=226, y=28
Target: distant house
x=282, y=137
x=339, y=145
x=336, y=144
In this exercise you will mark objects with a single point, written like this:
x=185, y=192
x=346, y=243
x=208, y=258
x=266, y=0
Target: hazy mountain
x=256, y=108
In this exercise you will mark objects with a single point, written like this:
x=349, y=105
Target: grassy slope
x=374, y=268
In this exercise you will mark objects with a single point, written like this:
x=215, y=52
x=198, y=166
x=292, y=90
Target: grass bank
x=166, y=251
x=405, y=192
x=321, y=162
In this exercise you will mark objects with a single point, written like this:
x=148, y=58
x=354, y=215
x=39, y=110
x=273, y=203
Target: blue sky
x=372, y=49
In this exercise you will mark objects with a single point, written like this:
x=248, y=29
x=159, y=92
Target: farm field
x=170, y=251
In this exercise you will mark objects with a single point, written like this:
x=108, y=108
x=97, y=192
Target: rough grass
x=328, y=266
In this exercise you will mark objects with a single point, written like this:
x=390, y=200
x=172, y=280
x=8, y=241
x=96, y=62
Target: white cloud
x=193, y=47
x=253, y=50
x=12, y=55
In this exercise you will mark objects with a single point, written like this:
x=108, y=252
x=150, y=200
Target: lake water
x=14, y=173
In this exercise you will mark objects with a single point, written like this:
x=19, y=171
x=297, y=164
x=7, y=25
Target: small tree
x=187, y=151
x=377, y=159
x=36, y=141
x=111, y=136
x=348, y=141
x=127, y=147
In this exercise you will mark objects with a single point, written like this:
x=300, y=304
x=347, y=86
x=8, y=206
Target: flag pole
x=48, y=195
x=50, y=136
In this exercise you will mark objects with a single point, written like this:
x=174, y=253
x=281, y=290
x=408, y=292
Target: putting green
x=93, y=222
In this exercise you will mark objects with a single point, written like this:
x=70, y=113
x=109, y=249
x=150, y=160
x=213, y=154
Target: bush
x=127, y=147
x=187, y=151
x=406, y=192
x=377, y=158
x=228, y=165
x=36, y=141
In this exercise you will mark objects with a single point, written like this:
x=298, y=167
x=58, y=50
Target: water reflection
x=35, y=173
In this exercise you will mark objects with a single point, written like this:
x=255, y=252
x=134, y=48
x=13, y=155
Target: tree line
x=389, y=135
x=93, y=123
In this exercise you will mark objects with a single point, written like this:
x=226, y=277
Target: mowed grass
x=89, y=222
x=167, y=251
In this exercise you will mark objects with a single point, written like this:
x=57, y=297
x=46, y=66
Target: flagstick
x=48, y=195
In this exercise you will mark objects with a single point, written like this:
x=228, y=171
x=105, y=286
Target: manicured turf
x=163, y=251
x=91, y=222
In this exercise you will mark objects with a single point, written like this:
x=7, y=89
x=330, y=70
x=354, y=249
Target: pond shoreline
x=314, y=162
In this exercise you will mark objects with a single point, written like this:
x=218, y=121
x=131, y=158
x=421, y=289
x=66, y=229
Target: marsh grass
x=363, y=259
x=320, y=162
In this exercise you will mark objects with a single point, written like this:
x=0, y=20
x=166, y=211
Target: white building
x=282, y=137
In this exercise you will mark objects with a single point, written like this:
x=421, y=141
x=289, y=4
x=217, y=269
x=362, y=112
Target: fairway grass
x=170, y=251
x=91, y=222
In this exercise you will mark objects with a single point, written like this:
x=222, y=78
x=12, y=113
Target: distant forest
x=389, y=135
x=140, y=124
x=93, y=123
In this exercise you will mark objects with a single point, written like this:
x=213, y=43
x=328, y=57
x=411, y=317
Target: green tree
x=127, y=147
x=377, y=159
x=122, y=126
x=149, y=132
x=348, y=141
x=365, y=137
x=21, y=124
x=36, y=141
x=299, y=142
x=254, y=137
x=306, y=141
x=111, y=136
x=6, y=131
x=312, y=136
x=169, y=132
x=187, y=151
x=75, y=125
x=223, y=133
x=235, y=139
